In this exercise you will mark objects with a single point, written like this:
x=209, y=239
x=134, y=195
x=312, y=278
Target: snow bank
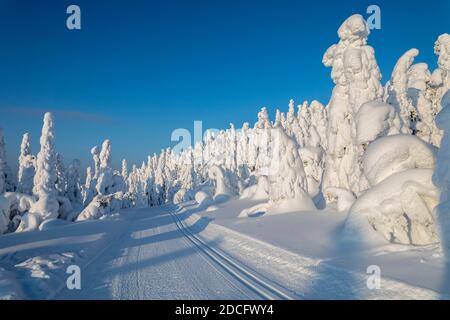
x=397, y=153
x=400, y=208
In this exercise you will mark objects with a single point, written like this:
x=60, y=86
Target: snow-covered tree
x=124, y=170
x=357, y=77
x=73, y=182
x=6, y=179
x=105, y=172
x=288, y=179
x=45, y=178
x=61, y=177
x=26, y=167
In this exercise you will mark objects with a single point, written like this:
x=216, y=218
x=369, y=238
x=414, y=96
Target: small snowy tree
x=6, y=180
x=61, y=178
x=288, y=176
x=26, y=167
x=105, y=172
x=73, y=182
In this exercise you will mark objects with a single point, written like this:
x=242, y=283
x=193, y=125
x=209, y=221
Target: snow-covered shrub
x=288, y=179
x=397, y=153
x=103, y=205
x=203, y=198
x=45, y=178
x=313, y=164
x=65, y=207
x=223, y=190
x=183, y=195
x=400, y=208
x=29, y=222
x=258, y=191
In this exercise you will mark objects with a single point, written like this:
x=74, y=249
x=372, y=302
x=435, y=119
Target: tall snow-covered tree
x=26, y=167
x=45, y=177
x=357, y=78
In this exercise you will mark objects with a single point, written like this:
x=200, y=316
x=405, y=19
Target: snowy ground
x=186, y=252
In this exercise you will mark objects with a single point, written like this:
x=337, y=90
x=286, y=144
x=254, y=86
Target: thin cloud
x=61, y=114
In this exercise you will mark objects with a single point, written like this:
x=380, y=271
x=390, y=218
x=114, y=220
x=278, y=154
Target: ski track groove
x=249, y=279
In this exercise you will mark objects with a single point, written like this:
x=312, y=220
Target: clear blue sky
x=140, y=69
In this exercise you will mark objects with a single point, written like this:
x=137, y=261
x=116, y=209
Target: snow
x=400, y=208
x=296, y=205
x=394, y=154
x=441, y=177
x=376, y=119
x=357, y=78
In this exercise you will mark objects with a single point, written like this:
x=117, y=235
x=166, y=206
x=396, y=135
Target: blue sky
x=137, y=70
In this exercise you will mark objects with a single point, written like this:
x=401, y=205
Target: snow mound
x=259, y=191
x=47, y=207
x=29, y=222
x=103, y=205
x=375, y=119
x=397, y=153
x=203, y=199
x=52, y=224
x=183, y=195
x=340, y=199
x=400, y=208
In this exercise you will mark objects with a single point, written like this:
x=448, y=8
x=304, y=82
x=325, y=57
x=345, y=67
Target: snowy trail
x=265, y=288
x=151, y=258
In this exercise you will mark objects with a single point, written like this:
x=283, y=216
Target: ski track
x=173, y=253
x=153, y=259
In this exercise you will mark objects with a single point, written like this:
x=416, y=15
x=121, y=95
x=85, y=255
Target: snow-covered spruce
x=45, y=178
x=26, y=167
x=357, y=78
x=6, y=178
